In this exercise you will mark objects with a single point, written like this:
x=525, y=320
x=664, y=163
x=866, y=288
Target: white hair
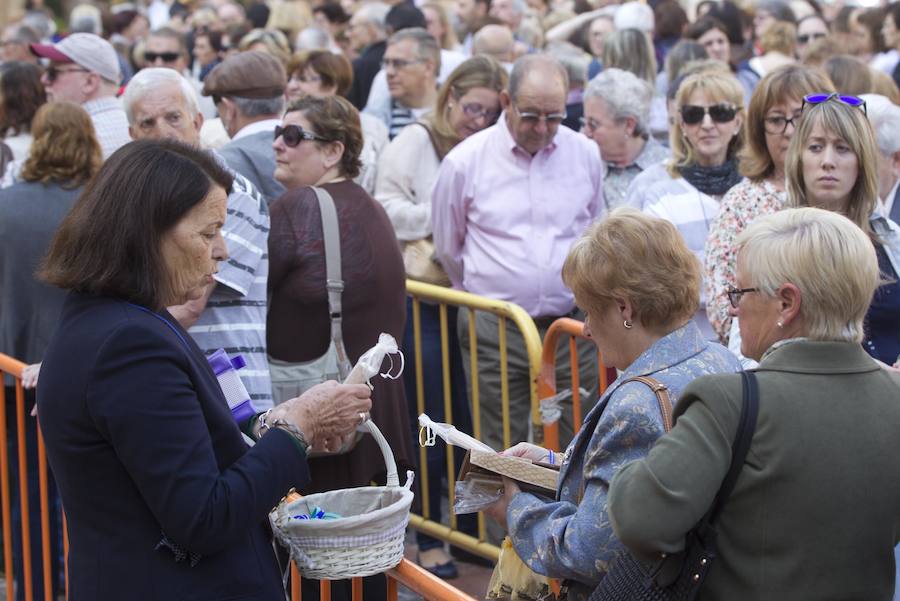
x=146, y=81
x=86, y=18
x=375, y=14
x=824, y=254
x=625, y=94
x=635, y=15
x=884, y=116
x=312, y=38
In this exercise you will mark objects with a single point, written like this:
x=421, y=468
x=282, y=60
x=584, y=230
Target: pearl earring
x=780, y=324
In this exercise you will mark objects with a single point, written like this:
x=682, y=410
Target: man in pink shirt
x=508, y=203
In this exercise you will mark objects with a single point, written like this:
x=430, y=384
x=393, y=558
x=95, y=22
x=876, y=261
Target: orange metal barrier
x=547, y=378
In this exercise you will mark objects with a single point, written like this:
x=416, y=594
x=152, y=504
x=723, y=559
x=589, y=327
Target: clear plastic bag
x=428, y=430
x=369, y=364
x=476, y=492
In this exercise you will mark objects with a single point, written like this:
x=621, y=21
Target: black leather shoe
x=444, y=571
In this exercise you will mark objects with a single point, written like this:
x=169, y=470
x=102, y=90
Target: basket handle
x=392, y=478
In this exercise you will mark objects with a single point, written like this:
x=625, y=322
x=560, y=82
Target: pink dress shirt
x=504, y=221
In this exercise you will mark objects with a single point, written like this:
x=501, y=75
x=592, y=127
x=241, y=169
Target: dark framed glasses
x=810, y=37
x=294, y=134
x=778, y=124
x=847, y=99
x=720, y=113
x=53, y=73
x=166, y=57
x=735, y=294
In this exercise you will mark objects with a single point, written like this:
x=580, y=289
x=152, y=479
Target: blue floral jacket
x=571, y=537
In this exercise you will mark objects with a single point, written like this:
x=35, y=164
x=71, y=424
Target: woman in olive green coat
x=815, y=513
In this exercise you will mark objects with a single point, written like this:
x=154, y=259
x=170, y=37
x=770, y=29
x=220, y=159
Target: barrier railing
x=407, y=573
x=546, y=383
x=445, y=297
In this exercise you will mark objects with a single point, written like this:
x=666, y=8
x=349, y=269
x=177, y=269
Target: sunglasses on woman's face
x=719, y=113
x=294, y=134
x=853, y=101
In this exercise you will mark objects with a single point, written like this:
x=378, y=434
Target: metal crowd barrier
x=546, y=383
x=418, y=580
x=445, y=297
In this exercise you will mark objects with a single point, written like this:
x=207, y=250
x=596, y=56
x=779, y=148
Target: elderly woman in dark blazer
x=815, y=512
x=638, y=283
x=164, y=499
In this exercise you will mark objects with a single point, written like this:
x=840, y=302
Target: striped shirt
x=235, y=315
x=401, y=116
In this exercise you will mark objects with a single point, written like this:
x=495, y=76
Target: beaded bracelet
x=281, y=424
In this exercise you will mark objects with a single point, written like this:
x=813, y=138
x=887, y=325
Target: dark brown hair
x=65, y=149
x=336, y=120
x=22, y=94
x=334, y=69
x=109, y=244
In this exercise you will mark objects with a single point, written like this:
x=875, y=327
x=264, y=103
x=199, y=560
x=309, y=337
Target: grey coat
x=29, y=216
x=252, y=156
x=815, y=513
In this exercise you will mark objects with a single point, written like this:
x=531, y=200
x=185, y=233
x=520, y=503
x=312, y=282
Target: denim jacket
x=571, y=537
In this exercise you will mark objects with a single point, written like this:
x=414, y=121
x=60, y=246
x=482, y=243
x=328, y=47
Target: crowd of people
x=709, y=186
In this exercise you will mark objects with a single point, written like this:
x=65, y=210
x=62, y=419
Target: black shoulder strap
x=742, y=438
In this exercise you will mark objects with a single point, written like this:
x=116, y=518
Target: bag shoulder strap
x=331, y=236
x=434, y=142
x=742, y=439
x=662, y=397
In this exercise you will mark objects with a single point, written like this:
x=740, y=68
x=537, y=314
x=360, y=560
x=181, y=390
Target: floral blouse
x=739, y=208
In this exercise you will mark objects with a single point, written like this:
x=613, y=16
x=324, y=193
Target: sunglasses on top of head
x=294, y=134
x=719, y=113
x=854, y=101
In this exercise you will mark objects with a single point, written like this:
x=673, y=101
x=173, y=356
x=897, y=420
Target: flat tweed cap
x=250, y=74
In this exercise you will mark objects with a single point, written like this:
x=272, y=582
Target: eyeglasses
x=778, y=124
x=589, y=124
x=306, y=78
x=398, y=63
x=294, y=134
x=535, y=118
x=53, y=73
x=853, y=101
x=735, y=294
x=473, y=110
x=166, y=57
x=693, y=114
x=810, y=37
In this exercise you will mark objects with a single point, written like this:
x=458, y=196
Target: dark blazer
x=365, y=67
x=142, y=444
x=252, y=156
x=815, y=512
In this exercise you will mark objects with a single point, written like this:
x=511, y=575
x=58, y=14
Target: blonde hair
x=826, y=256
x=274, y=40
x=476, y=72
x=718, y=87
x=642, y=258
x=630, y=50
x=448, y=41
x=780, y=37
x=791, y=82
x=290, y=17
x=851, y=125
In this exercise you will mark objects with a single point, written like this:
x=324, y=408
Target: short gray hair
x=146, y=81
x=86, y=18
x=884, y=116
x=827, y=256
x=259, y=107
x=375, y=14
x=625, y=94
x=534, y=61
x=23, y=34
x=427, y=48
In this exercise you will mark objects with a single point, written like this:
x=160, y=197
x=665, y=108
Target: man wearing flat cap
x=248, y=91
x=84, y=69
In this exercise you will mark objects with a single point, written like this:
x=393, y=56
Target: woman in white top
x=467, y=102
x=704, y=139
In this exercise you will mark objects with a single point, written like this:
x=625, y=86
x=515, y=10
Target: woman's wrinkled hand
x=326, y=413
x=528, y=451
x=497, y=511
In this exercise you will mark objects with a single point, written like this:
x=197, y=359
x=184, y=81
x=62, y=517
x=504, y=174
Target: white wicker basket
x=368, y=537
